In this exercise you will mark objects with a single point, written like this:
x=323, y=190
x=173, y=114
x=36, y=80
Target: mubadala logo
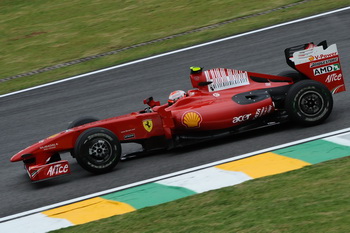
x=326, y=69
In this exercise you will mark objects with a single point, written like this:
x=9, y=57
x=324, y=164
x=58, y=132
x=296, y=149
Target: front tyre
x=308, y=102
x=97, y=150
x=82, y=121
x=78, y=122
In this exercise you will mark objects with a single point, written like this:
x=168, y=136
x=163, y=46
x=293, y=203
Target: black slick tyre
x=295, y=75
x=82, y=121
x=97, y=150
x=78, y=122
x=308, y=102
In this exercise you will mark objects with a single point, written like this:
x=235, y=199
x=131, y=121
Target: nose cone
x=22, y=154
x=16, y=157
x=38, y=148
x=30, y=150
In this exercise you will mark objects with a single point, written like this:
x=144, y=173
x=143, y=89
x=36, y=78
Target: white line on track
x=19, y=215
x=26, y=213
x=177, y=51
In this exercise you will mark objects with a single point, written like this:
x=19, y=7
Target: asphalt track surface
x=28, y=117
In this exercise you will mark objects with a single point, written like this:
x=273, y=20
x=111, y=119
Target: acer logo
x=57, y=169
x=333, y=78
x=241, y=118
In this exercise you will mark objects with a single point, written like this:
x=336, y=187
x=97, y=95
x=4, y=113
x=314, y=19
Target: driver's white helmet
x=175, y=95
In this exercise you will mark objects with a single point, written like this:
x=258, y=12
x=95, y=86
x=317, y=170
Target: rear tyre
x=308, y=102
x=295, y=75
x=97, y=150
x=82, y=121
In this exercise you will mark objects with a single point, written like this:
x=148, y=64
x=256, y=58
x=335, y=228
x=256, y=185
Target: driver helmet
x=175, y=95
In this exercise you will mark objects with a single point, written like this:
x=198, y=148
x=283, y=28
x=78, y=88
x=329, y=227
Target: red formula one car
x=223, y=102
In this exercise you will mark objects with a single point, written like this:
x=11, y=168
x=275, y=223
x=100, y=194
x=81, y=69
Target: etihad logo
x=192, y=119
x=148, y=125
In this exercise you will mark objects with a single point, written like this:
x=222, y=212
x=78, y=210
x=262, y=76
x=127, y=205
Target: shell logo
x=311, y=58
x=192, y=119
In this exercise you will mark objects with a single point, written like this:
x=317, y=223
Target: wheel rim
x=311, y=103
x=100, y=151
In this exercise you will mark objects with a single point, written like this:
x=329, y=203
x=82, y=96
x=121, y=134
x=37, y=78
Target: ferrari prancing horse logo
x=148, y=125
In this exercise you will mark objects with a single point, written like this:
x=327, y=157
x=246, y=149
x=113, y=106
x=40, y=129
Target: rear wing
x=320, y=63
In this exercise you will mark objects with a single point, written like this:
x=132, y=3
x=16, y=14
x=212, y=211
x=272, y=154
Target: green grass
x=37, y=34
x=312, y=199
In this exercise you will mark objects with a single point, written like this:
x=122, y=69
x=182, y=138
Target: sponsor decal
x=57, y=169
x=262, y=111
x=241, y=118
x=326, y=69
x=216, y=94
x=322, y=56
x=333, y=78
x=191, y=119
x=49, y=147
x=148, y=125
x=222, y=79
x=314, y=54
x=128, y=130
x=305, y=53
x=129, y=136
x=322, y=63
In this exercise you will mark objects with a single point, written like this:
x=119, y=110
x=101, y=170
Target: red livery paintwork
x=51, y=170
x=320, y=63
x=223, y=102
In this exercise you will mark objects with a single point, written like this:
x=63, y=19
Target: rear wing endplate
x=320, y=63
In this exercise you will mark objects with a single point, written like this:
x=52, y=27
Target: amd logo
x=326, y=69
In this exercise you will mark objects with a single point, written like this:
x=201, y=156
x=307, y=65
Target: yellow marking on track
x=264, y=165
x=89, y=210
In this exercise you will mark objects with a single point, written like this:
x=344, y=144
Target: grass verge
x=70, y=29
x=312, y=199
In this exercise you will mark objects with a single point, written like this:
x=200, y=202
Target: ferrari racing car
x=222, y=102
